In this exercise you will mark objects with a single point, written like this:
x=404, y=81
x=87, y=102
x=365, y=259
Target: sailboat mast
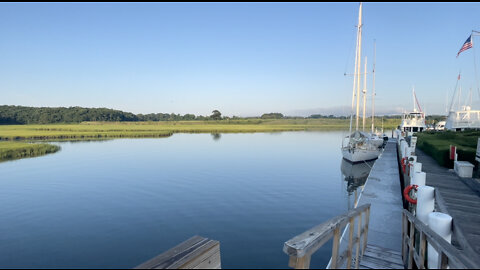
x=364, y=94
x=373, y=85
x=413, y=96
x=359, y=53
x=354, y=75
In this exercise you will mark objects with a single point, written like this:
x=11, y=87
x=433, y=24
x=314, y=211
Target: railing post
x=300, y=263
x=367, y=220
x=411, y=241
x=423, y=247
x=442, y=260
x=336, y=245
x=404, y=233
x=350, y=243
x=359, y=234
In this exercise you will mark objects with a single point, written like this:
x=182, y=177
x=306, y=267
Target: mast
x=413, y=96
x=359, y=56
x=373, y=85
x=355, y=72
x=364, y=94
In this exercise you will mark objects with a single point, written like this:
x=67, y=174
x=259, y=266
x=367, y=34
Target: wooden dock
x=383, y=191
x=454, y=196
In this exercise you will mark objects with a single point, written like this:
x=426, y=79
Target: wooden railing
x=413, y=252
x=301, y=247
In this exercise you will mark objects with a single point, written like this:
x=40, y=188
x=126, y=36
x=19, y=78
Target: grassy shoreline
x=13, y=137
x=18, y=150
x=92, y=130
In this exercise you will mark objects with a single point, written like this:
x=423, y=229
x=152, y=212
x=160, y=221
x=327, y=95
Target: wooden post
x=359, y=235
x=336, y=245
x=423, y=247
x=404, y=232
x=411, y=241
x=365, y=237
x=300, y=263
x=442, y=260
x=350, y=243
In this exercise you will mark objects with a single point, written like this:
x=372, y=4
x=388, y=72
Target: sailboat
x=359, y=144
x=377, y=138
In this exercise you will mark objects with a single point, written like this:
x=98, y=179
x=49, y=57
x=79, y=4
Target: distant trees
x=216, y=115
x=272, y=116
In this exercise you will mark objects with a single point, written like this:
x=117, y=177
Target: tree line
x=47, y=115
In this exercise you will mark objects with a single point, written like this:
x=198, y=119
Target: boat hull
x=355, y=155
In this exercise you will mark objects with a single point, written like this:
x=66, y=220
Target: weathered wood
x=365, y=229
x=381, y=263
x=311, y=240
x=423, y=247
x=454, y=196
x=359, y=233
x=455, y=258
x=411, y=249
x=336, y=244
x=300, y=263
x=350, y=243
x=371, y=247
x=196, y=252
x=389, y=257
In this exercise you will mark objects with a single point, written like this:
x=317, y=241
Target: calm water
x=116, y=204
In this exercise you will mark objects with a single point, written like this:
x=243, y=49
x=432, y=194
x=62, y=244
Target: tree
x=216, y=115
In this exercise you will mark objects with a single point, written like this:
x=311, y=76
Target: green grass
x=11, y=148
x=16, y=150
x=437, y=145
x=99, y=130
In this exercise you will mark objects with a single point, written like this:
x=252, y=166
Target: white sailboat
x=359, y=144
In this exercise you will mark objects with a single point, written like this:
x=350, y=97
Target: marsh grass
x=17, y=150
x=99, y=130
x=12, y=148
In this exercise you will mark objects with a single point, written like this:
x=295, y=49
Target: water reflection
x=355, y=176
x=216, y=136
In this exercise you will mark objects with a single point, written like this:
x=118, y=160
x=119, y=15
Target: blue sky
x=240, y=58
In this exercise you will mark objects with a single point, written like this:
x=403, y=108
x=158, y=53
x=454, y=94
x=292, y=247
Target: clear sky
x=240, y=58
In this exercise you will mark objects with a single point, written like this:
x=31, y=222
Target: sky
x=243, y=59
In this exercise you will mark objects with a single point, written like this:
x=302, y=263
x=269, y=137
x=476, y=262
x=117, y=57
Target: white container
x=463, y=168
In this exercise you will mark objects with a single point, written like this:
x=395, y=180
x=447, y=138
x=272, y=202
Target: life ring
x=406, y=192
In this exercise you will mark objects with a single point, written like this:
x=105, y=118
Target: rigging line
x=475, y=67
x=367, y=164
x=455, y=91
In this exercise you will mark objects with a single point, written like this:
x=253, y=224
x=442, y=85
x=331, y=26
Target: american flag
x=467, y=45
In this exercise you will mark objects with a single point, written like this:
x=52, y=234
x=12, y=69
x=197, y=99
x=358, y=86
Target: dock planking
x=381, y=258
x=458, y=199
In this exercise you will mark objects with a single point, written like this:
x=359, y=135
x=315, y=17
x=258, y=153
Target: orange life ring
x=406, y=192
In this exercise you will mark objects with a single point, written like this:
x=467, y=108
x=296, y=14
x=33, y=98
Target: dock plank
x=459, y=200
